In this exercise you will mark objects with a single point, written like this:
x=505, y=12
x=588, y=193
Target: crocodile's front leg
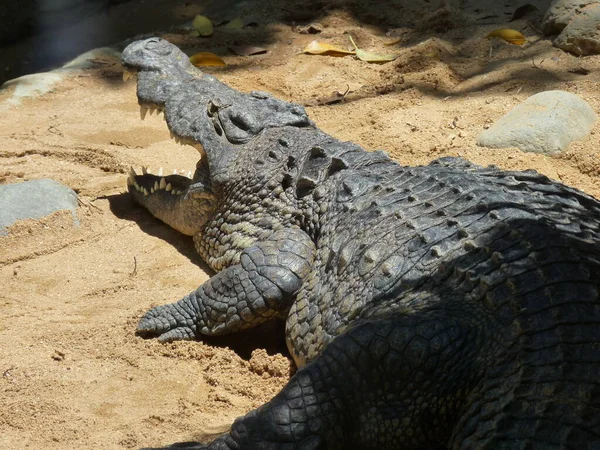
x=261, y=287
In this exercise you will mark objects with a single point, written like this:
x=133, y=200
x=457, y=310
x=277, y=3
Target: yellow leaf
x=508, y=35
x=206, y=59
x=235, y=24
x=320, y=48
x=203, y=25
x=371, y=57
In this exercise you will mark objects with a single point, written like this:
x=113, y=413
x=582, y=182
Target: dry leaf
x=247, y=50
x=511, y=36
x=320, y=48
x=206, y=59
x=203, y=25
x=235, y=24
x=371, y=57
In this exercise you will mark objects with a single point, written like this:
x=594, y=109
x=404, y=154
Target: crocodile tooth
x=137, y=187
x=152, y=190
x=189, y=175
x=143, y=111
x=168, y=188
x=174, y=171
x=155, y=187
x=160, y=172
x=146, y=191
x=163, y=183
x=174, y=192
x=144, y=170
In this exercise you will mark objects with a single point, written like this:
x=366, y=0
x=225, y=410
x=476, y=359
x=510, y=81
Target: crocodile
x=444, y=306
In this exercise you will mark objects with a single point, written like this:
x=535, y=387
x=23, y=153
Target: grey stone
x=577, y=26
x=34, y=199
x=544, y=123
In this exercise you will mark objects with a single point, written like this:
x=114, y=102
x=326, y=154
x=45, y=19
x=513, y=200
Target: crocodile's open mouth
x=217, y=120
x=148, y=184
x=181, y=199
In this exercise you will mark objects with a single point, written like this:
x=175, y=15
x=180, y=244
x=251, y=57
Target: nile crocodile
x=442, y=306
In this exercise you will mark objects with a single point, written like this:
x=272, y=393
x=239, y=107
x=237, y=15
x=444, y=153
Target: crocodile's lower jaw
x=148, y=184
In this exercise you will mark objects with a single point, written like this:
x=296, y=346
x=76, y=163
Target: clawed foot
x=169, y=323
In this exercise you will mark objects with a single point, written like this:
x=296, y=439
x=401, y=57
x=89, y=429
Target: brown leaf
x=321, y=48
x=247, y=50
x=206, y=59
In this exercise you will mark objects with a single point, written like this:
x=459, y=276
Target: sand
x=73, y=373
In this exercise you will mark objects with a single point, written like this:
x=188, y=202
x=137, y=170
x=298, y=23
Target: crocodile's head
x=200, y=111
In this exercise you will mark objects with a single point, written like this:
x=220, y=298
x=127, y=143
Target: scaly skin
x=444, y=306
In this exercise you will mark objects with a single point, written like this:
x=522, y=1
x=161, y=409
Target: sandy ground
x=73, y=374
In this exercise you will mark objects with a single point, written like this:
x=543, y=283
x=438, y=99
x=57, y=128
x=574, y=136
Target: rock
x=41, y=83
x=544, y=123
x=576, y=23
x=34, y=199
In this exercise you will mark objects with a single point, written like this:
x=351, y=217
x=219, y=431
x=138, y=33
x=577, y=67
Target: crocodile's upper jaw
x=199, y=109
x=203, y=112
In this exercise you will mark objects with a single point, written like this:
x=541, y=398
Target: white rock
x=544, y=123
